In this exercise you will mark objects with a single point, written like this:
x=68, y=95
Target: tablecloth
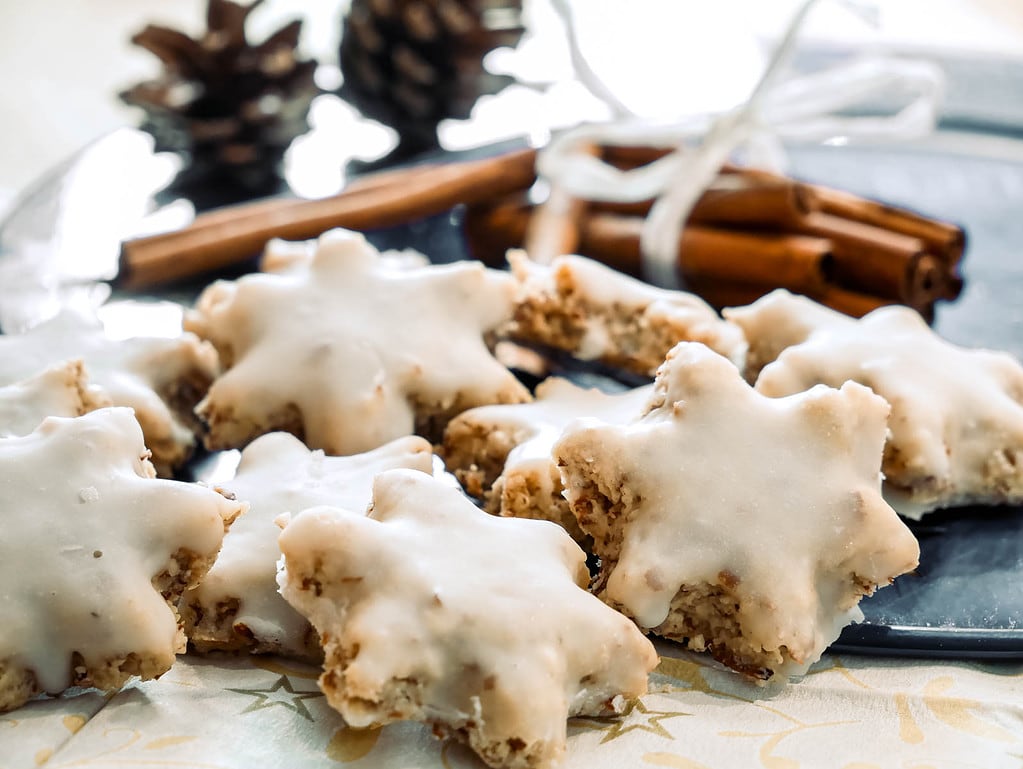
x=848, y=712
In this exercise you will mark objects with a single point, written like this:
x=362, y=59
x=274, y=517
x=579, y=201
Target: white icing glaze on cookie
x=349, y=352
x=776, y=502
x=59, y=391
x=621, y=315
x=557, y=403
x=143, y=373
x=432, y=610
x=278, y=474
x=956, y=426
x=88, y=530
x=778, y=320
x=285, y=255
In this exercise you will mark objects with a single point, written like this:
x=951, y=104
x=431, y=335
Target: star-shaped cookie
x=237, y=605
x=59, y=391
x=96, y=552
x=350, y=353
x=733, y=522
x=162, y=379
x=502, y=453
x=432, y=610
x=956, y=426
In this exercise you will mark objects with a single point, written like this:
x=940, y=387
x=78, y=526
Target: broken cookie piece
x=431, y=610
x=349, y=353
x=97, y=552
x=237, y=606
x=592, y=312
x=956, y=425
x=502, y=453
x=735, y=523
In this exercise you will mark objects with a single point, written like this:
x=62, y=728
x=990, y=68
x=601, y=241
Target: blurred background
x=63, y=63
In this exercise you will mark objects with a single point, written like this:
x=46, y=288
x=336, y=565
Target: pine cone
x=231, y=107
x=412, y=63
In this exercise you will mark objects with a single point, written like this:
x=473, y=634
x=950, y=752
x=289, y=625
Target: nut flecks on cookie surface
x=96, y=551
x=237, y=604
x=956, y=425
x=58, y=391
x=161, y=379
x=502, y=453
x=746, y=525
x=349, y=353
x=596, y=313
x=431, y=610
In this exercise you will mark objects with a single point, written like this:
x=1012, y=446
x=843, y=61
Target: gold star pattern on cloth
x=637, y=717
x=96, y=551
x=432, y=610
x=956, y=426
x=281, y=694
x=351, y=352
x=237, y=606
x=161, y=379
x=736, y=523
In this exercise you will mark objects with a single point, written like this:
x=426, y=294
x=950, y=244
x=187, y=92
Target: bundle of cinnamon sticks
x=763, y=232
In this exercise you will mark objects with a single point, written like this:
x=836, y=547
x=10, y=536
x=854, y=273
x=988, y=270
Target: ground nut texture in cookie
x=96, y=552
x=349, y=353
x=429, y=609
x=502, y=453
x=161, y=379
x=736, y=523
x=956, y=425
x=595, y=313
x=237, y=605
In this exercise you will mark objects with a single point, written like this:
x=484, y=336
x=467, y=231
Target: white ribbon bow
x=805, y=108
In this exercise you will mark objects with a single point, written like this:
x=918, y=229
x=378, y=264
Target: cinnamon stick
x=628, y=157
x=858, y=304
x=720, y=294
x=873, y=260
x=231, y=236
x=490, y=229
x=256, y=208
x=943, y=239
x=770, y=206
x=796, y=262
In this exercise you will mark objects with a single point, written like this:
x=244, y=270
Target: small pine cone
x=412, y=63
x=231, y=107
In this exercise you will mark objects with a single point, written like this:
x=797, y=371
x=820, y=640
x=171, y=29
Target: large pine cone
x=231, y=107
x=412, y=63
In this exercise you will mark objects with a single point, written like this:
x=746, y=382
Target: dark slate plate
x=965, y=600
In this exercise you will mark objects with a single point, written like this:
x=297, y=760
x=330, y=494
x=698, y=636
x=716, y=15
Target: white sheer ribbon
x=805, y=108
